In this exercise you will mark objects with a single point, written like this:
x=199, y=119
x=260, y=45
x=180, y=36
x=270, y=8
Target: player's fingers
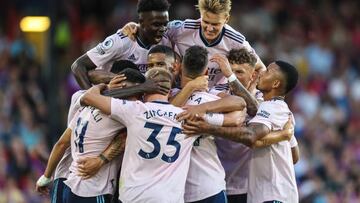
x=182, y=116
x=189, y=132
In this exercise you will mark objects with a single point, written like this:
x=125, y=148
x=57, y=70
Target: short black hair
x=118, y=66
x=152, y=5
x=168, y=51
x=290, y=73
x=195, y=61
x=133, y=75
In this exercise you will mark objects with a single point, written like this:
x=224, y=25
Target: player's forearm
x=180, y=99
x=80, y=69
x=57, y=153
x=251, y=102
x=233, y=119
x=116, y=147
x=100, y=76
x=227, y=104
x=295, y=152
x=124, y=92
x=98, y=101
x=273, y=137
x=237, y=134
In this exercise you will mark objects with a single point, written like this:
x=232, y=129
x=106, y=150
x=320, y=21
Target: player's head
x=153, y=19
x=160, y=74
x=243, y=65
x=120, y=65
x=161, y=56
x=133, y=77
x=214, y=15
x=195, y=62
x=280, y=76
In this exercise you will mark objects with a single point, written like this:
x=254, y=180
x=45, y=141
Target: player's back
x=92, y=132
x=157, y=154
x=206, y=175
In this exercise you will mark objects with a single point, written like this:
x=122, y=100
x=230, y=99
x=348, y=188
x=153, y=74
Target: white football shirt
x=185, y=34
x=206, y=175
x=235, y=158
x=62, y=169
x=92, y=132
x=120, y=47
x=157, y=155
x=271, y=172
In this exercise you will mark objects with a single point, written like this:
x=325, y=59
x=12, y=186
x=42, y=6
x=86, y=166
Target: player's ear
x=227, y=18
x=276, y=84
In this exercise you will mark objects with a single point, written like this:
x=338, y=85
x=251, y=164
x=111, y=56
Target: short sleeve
x=112, y=48
x=75, y=105
x=264, y=115
x=293, y=141
x=173, y=28
x=121, y=109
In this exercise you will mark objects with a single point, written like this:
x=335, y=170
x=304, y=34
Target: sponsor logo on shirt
x=263, y=113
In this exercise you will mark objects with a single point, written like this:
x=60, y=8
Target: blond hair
x=160, y=74
x=214, y=6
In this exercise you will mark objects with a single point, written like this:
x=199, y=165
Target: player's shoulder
x=274, y=106
x=188, y=24
x=233, y=35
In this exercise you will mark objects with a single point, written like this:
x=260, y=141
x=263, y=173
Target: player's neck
x=156, y=97
x=184, y=80
x=271, y=95
x=142, y=39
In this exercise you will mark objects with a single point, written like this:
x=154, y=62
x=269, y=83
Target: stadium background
x=322, y=38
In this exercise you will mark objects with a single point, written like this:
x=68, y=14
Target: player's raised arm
x=80, y=68
x=235, y=85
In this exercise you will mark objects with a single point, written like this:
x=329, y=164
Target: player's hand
x=289, y=127
x=223, y=64
x=152, y=86
x=191, y=112
x=42, y=185
x=200, y=83
x=116, y=82
x=130, y=30
x=97, y=89
x=89, y=166
x=195, y=126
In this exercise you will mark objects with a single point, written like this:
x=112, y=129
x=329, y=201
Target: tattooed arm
x=247, y=135
x=236, y=87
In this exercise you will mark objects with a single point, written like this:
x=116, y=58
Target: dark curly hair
x=241, y=56
x=152, y=5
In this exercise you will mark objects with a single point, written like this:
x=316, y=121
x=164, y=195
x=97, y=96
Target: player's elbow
x=295, y=154
x=61, y=145
x=77, y=67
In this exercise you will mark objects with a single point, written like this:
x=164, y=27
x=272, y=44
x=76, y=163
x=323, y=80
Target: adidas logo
x=132, y=57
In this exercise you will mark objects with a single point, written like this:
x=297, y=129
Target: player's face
x=244, y=73
x=269, y=79
x=212, y=24
x=160, y=60
x=153, y=25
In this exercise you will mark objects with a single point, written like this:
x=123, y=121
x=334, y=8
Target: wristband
x=102, y=157
x=232, y=78
x=43, y=181
x=216, y=119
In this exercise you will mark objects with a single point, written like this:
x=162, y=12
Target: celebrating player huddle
x=180, y=111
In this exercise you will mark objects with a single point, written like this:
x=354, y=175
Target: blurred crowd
x=322, y=38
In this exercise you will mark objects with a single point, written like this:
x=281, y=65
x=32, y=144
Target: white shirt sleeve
x=293, y=141
x=173, y=28
x=120, y=109
x=75, y=105
x=264, y=115
x=112, y=48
